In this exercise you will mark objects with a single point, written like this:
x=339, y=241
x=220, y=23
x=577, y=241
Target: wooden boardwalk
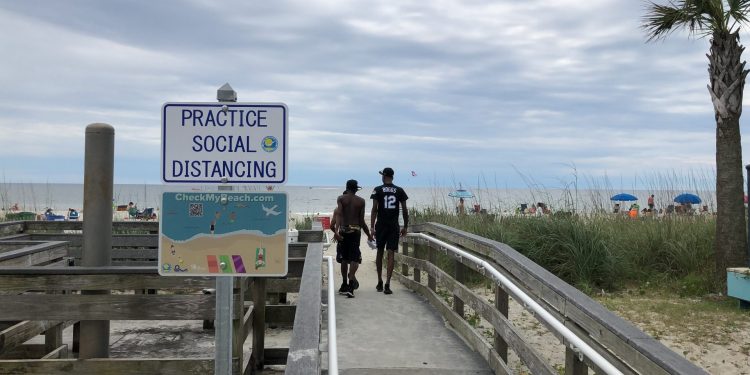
x=399, y=333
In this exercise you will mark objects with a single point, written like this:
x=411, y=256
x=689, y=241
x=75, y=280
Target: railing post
x=418, y=254
x=501, y=304
x=432, y=258
x=404, y=266
x=460, y=276
x=257, y=358
x=573, y=365
x=53, y=336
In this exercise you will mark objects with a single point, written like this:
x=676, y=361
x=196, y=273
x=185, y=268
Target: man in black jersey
x=387, y=200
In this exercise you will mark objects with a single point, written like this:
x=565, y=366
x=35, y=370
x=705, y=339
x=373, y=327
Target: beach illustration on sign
x=212, y=233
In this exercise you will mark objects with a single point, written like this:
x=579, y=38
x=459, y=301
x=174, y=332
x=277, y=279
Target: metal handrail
x=576, y=344
x=333, y=360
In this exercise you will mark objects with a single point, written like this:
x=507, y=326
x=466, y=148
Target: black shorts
x=387, y=236
x=347, y=250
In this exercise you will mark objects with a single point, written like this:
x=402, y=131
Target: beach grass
x=603, y=252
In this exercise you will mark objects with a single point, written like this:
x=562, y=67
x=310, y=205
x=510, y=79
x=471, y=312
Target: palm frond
x=661, y=20
x=738, y=10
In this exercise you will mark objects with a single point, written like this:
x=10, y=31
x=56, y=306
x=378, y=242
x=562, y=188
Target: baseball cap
x=387, y=171
x=353, y=185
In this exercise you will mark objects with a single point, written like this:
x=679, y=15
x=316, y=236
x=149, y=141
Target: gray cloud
x=445, y=88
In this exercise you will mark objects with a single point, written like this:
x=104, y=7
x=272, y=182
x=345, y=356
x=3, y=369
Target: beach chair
x=145, y=214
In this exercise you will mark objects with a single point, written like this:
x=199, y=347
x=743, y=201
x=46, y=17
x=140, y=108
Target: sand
x=260, y=255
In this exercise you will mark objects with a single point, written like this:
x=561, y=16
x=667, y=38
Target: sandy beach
x=266, y=254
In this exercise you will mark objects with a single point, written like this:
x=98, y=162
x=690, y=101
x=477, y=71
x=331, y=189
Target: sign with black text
x=234, y=143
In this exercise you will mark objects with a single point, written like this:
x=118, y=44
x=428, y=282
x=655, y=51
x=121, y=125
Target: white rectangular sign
x=236, y=143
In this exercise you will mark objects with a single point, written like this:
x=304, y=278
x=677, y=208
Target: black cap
x=387, y=171
x=352, y=185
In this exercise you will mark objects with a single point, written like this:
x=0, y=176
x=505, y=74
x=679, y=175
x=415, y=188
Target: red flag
x=413, y=174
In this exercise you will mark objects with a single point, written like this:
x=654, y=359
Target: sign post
x=224, y=234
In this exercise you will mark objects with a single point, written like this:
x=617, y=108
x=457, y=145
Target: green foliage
x=305, y=223
x=602, y=252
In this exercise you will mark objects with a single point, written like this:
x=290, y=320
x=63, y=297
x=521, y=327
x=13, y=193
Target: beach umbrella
x=687, y=198
x=624, y=197
x=461, y=193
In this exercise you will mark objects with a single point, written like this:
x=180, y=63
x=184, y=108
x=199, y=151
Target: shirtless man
x=350, y=221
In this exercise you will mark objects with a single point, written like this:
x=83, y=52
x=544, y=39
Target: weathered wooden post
x=573, y=364
x=404, y=266
x=460, y=275
x=98, y=178
x=501, y=304
x=432, y=258
x=418, y=254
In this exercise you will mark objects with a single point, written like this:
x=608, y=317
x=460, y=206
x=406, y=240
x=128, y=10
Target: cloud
x=447, y=87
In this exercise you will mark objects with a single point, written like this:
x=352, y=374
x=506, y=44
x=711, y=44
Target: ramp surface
x=396, y=334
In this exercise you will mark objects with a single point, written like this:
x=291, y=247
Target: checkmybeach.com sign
x=223, y=198
x=240, y=143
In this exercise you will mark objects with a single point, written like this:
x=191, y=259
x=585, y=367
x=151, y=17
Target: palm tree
x=721, y=20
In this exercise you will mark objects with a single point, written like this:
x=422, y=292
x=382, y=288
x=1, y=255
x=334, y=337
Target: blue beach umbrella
x=461, y=193
x=624, y=197
x=687, y=198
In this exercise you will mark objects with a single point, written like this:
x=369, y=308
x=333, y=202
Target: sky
x=500, y=93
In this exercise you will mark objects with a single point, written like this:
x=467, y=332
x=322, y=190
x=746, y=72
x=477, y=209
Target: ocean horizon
x=312, y=200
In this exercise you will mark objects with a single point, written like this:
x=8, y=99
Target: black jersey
x=389, y=198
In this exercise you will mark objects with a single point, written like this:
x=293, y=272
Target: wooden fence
x=629, y=349
x=40, y=291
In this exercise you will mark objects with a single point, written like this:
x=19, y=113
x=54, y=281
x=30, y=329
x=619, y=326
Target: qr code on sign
x=196, y=209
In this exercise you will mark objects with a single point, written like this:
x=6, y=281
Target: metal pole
x=333, y=356
x=97, y=226
x=224, y=286
x=747, y=167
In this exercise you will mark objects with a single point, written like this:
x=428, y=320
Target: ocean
x=312, y=200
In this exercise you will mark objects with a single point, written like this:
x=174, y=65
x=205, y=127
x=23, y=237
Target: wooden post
x=76, y=337
x=418, y=254
x=98, y=185
x=404, y=266
x=432, y=256
x=53, y=336
x=573, y=365
x=259, y=323
x=501, y=304
x=460, y=276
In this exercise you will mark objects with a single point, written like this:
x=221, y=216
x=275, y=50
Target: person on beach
x=386, y=200
x=651, y=202
x=350, y=222
x=132, y=210
x=461, y=209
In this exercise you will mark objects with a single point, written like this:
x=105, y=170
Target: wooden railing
x=304, y=348
x=37, y=299
x=626, y=347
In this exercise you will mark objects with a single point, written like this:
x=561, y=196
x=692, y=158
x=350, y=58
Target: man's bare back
x=352, y=211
